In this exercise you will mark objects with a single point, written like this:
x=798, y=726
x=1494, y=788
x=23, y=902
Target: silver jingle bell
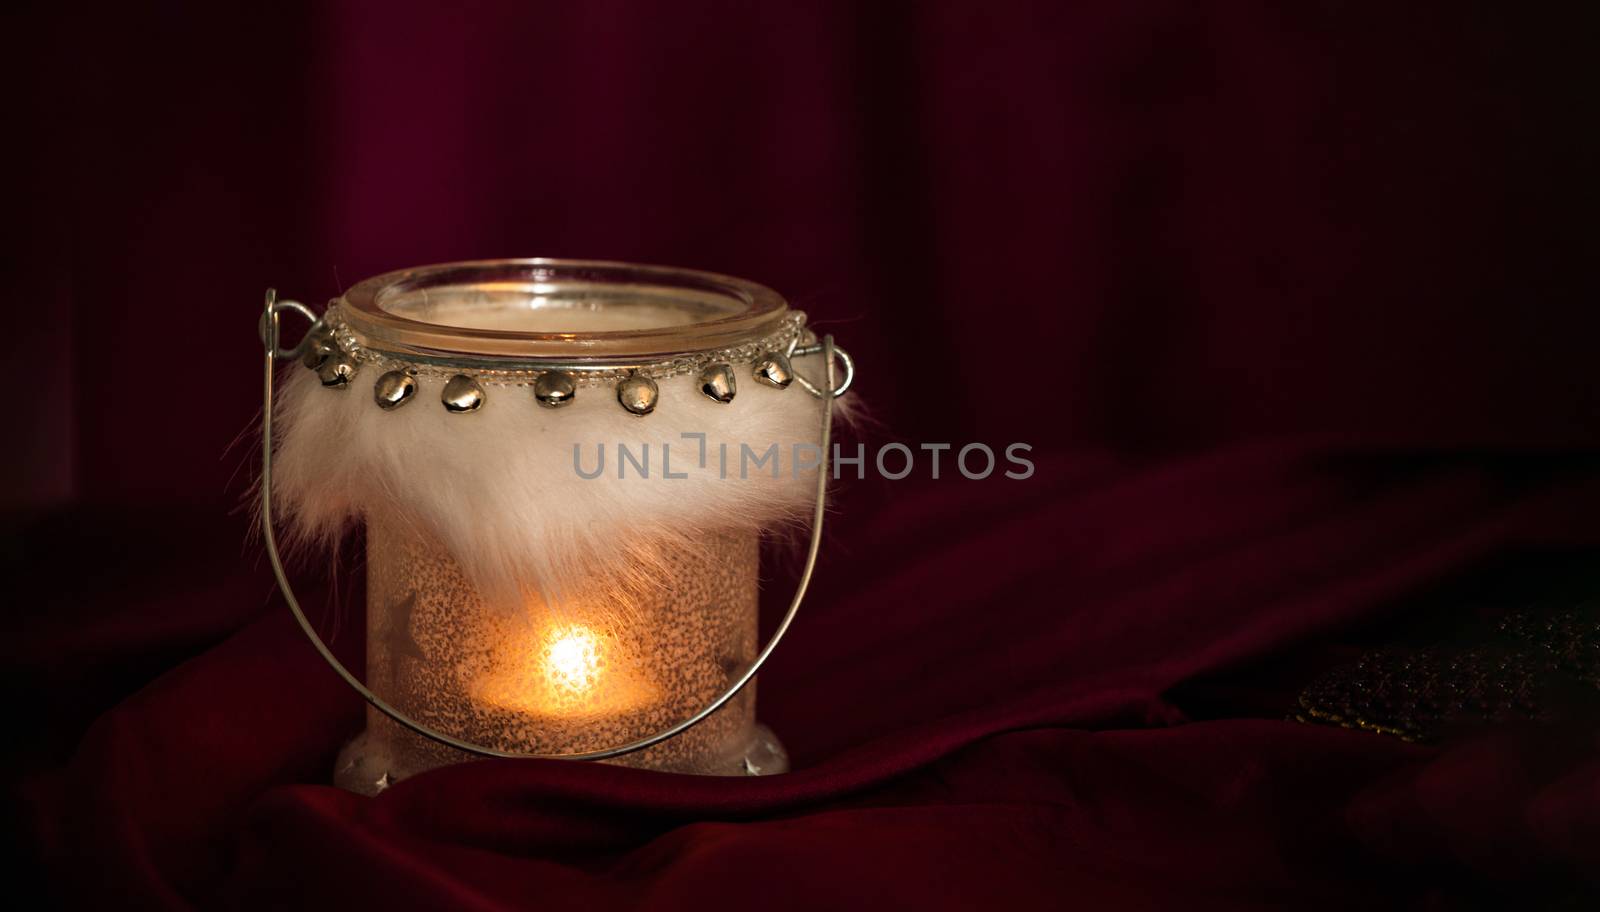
x=337, y=371
x=319, y=345
x=462, y=394
x=773, y=369
x=394, y=389
x=554, y=389
x=638, y=394
x=717, y=382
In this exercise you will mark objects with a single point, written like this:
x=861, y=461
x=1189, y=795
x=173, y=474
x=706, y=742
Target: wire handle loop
x=797, y=350
x=275, y=305
x=269, y=336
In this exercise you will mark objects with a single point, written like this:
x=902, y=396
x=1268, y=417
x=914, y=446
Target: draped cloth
x=1066, y=692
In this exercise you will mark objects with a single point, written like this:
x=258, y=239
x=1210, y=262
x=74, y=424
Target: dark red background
x=1295, y=303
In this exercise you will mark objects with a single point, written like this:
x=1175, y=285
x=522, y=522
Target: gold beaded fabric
x=1529, y=666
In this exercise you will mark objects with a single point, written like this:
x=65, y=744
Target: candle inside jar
x=564, y=670
x=531, y=678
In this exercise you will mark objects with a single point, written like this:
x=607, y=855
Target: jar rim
x=448, y=309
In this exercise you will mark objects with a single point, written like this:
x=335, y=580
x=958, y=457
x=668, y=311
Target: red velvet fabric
x=1292, y=304
x=1067, y=691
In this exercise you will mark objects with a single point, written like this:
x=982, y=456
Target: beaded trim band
x=494, y=371
x=337, y=353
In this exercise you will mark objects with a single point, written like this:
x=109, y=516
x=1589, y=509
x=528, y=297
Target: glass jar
x=588, y=664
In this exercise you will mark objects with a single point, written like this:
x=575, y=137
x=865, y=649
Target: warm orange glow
x=573, y=660
x=565, y=670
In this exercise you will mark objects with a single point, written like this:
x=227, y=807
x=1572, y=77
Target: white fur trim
x=499, y=488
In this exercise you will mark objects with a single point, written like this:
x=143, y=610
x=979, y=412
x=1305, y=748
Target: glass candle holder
x=520, y=607
x=564, y=685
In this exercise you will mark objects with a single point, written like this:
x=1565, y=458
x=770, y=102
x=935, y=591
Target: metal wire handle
x=269, y=334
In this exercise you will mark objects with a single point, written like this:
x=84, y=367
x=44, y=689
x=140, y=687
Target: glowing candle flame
x=573, y=660
x=565, y=670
